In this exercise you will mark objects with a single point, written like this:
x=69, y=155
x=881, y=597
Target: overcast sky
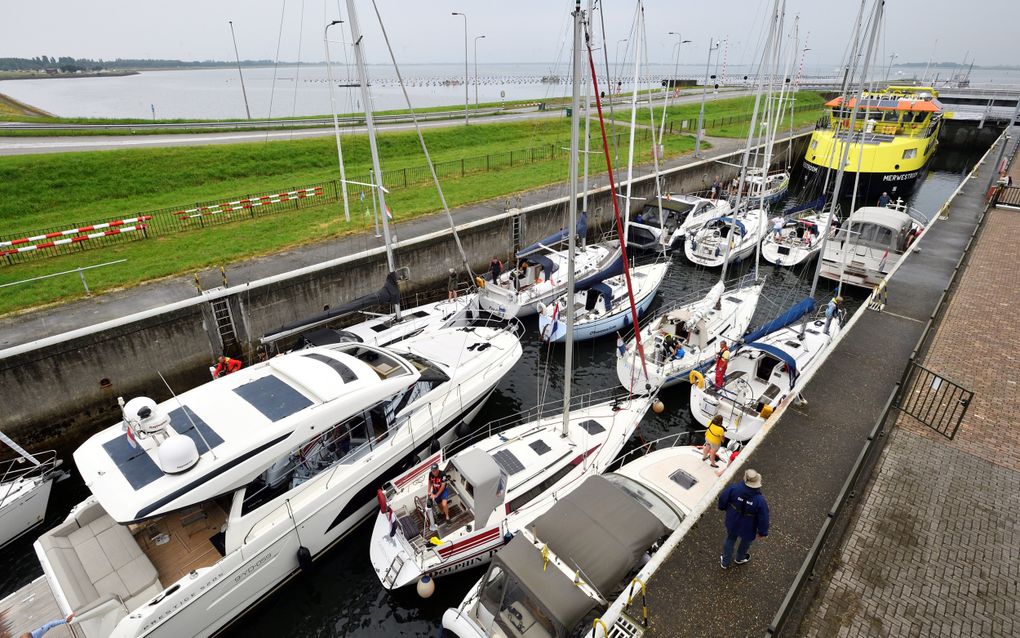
x=516, y=31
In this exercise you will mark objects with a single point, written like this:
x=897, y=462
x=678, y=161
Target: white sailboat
x=556, y=573
x=219, y=496
x=725, y=239
x=502, y=482
x=25, y=485
x=797, y=242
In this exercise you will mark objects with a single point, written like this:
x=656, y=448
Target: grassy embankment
x=739, y=108
x=38, y=191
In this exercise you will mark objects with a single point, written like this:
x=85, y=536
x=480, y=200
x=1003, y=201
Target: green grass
x=39, y=191
x=738, y=107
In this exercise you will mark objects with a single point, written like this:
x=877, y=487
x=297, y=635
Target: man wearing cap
x=439, y=492
x=747, y=515
x=832, y=309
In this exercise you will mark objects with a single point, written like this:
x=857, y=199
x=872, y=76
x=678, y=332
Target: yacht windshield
x=512, y=609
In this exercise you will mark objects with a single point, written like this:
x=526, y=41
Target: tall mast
x=366, y=99
x=336, y=124
x=846, y=153
x=587, y=107
x=568, y=364
x=633, y=115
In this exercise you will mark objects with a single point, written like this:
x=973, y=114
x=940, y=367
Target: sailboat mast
x=633, y=114
x=366, y=99
x=336, y=124
x=568, y=364
x=587, y=107
x=846, y=153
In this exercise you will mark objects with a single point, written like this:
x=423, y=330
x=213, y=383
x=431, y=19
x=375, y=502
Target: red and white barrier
x=74, y=240
x=74, y=231
x=245, y=204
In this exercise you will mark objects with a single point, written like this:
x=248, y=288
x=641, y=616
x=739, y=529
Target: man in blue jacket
x=747, y=515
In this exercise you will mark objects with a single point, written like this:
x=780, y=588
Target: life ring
x=381, y=497
x=697, y=379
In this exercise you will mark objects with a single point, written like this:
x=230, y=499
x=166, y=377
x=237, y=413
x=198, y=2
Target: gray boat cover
x=487, y=480
x=600, y=530
x=551, y=588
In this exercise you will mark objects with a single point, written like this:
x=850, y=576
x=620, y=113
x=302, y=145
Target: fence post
x=405, y=177
x=462, y=167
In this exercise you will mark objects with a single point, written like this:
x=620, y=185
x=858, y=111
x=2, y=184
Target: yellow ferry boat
x=894, y=138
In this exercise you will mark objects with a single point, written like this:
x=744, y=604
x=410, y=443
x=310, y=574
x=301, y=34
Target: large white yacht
x=870, y=243
x=204, y=504
x=648, y=231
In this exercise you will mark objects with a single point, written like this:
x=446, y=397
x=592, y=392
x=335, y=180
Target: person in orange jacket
x=226, y=365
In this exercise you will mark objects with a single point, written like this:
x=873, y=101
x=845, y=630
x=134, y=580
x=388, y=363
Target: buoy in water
x=658, y=407
x=426, y=586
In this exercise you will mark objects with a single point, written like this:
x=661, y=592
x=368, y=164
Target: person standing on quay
x=747, y=515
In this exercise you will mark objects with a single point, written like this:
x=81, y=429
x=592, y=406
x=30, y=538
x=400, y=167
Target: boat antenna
x=568, y=363
x=187, y=413
x=843, y=161
x=424, y=148
x=366, y=100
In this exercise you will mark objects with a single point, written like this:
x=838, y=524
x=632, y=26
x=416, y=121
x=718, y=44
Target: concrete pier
x=806, y=458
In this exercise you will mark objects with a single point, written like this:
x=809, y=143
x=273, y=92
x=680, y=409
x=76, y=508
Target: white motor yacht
x=560, y=572
x=647, y=231
x=696, y=327
x=497, y=485
x=204, y=504
x=870, y=243
x=604, y=307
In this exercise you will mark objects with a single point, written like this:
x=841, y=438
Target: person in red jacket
x=722, y=361
x=226, y=365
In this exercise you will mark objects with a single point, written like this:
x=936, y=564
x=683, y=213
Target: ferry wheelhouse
x=894, y=139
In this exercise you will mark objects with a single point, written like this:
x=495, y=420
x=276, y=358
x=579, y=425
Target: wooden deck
x=29, y=608
x=179, y=542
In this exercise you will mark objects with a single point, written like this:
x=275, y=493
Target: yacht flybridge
x=203, y=504
x=497, y=486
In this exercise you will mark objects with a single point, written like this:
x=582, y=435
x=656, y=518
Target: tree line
x=73, y=65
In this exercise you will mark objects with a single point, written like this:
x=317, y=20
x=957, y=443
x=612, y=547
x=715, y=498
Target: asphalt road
x=67, y=144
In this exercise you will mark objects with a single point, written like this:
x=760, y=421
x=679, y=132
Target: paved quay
x=934, y=549
x=19, y=328
x=809, y=453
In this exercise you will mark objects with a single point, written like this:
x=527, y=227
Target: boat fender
x=479, y=282
x=304, y=559
x=658, y=407
x=697, y=379
x=381, y=497
x=426, y=586
x=434, y=446
x=766, y=411
x=507, y=537
x=393, y=528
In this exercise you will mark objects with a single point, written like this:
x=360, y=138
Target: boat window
x=890, y=116
x=684, y=479
x=648, y=499
x=384, y=365
x=765, y=365
x=346, y=374
x=592, y=427
x=492, y=592
x=272, y=397
x=540, y=447
x=910, y=153
x=521, y=616
x=539, y=489
x=347, y=336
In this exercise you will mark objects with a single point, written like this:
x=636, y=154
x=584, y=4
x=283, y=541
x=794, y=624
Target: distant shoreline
x=37, y=75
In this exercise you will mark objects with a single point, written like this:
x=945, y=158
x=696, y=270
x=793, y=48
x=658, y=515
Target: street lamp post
x=616, y=64
x=336, y=124
x=712, y=46
x=477, y=38
x=241, y=75
x=676, y=70
x=467, y=78
x=888, y=69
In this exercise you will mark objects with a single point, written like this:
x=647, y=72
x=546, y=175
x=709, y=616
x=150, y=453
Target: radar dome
x=177, y=454
x=146, y=415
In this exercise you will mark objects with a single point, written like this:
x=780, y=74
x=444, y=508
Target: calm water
x=343, y=598
x=216, y=93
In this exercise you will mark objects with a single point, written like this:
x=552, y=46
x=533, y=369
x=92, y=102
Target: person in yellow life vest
x=714, y=436
x=439, y=491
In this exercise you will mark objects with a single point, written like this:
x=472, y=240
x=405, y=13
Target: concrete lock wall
x=53, y=395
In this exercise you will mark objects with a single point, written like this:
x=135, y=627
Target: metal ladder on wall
x=224, y=323
x=516, y=231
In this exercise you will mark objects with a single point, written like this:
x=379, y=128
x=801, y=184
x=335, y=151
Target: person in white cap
x=747, y=516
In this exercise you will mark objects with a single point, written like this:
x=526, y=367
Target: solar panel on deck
x=506, y=460
x=540, y=447
x=345, y=373
x=272, y=397
x=133, y=462
x=592, y=427
x=183, y=425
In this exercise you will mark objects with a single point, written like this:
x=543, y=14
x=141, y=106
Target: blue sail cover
x=555, y=238
x=812, y=205
x=548, y=267
x=605, y=292
x=614, y=268
x=795, y=312
x=730, y=220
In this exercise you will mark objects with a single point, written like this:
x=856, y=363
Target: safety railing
x=15, y=472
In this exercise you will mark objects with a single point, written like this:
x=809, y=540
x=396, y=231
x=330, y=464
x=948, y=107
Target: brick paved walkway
x=935, y=548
